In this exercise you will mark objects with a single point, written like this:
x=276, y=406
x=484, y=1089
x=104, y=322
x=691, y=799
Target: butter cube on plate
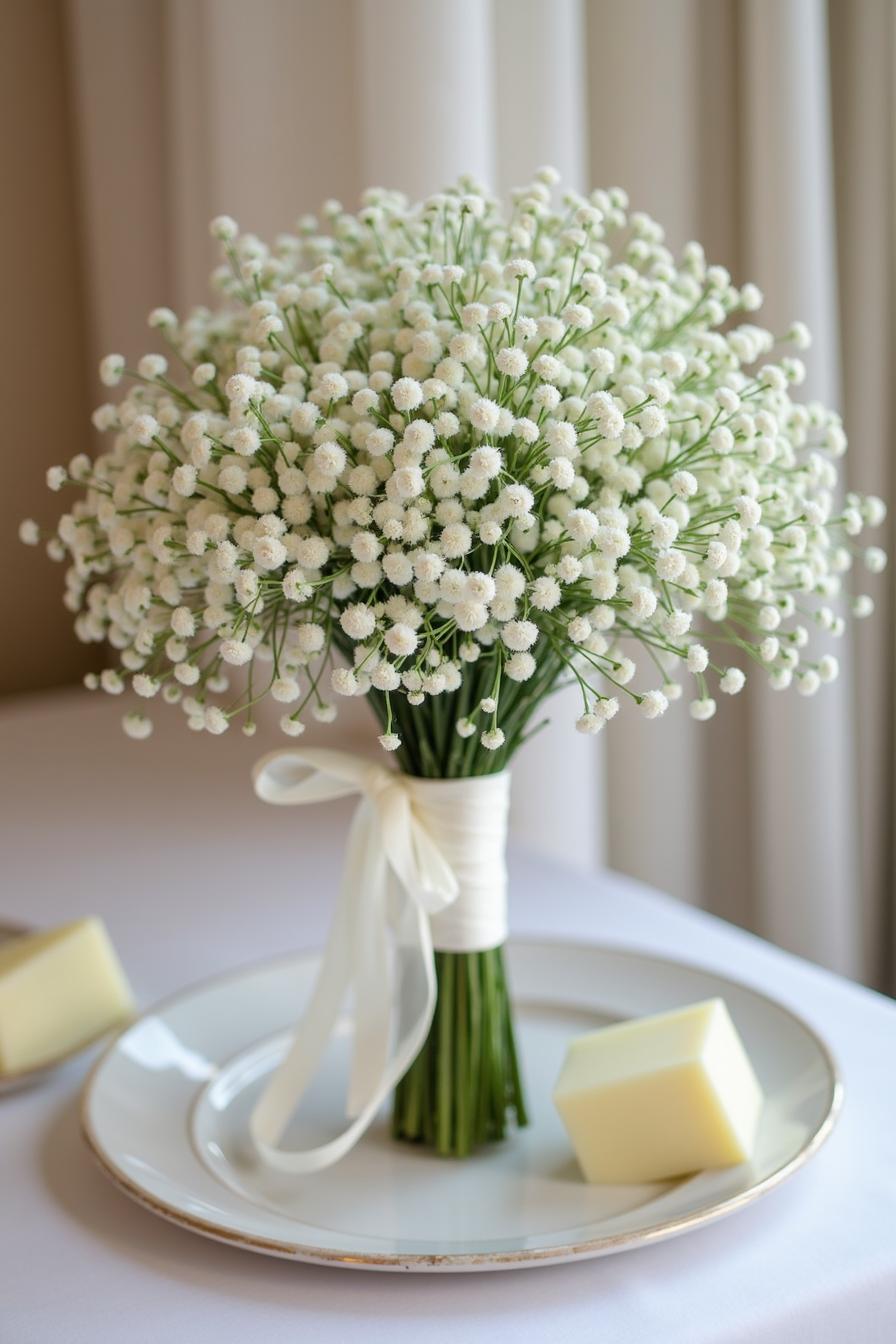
x=658, y=1097
x=59, y=990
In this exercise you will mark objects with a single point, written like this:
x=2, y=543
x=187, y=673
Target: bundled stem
x=464, y=1088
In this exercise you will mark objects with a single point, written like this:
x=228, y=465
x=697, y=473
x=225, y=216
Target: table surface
x=192, y=876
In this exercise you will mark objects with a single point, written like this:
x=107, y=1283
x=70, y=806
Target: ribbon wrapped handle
x=415, y=846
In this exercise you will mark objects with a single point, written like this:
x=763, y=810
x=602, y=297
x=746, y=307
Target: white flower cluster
x=477, y=453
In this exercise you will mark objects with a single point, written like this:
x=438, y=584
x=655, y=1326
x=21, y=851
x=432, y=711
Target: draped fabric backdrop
x=762, y=127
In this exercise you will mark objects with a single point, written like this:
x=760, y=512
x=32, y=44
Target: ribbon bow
x=396, y=877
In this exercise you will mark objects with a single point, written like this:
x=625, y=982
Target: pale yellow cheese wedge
x=658, y=1097
x=59, y=989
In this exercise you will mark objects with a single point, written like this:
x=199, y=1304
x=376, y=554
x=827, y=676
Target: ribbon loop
x=424, y=857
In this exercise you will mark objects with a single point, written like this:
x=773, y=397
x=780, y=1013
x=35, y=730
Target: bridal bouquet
x=450, y=457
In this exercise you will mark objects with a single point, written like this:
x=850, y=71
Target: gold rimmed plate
x=165, y=1113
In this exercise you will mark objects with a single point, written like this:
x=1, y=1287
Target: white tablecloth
x=164, y=840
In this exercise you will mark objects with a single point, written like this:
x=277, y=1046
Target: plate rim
x=591, y=1247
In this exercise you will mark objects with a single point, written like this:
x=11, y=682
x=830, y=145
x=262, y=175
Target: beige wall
x=43, y=365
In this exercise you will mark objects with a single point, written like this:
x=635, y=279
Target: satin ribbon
x=424, y=868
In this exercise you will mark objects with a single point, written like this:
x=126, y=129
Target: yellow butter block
x=59, y=990
x=660, y=1096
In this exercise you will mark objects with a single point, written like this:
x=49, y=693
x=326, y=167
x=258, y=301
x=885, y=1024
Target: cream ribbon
x=424, y=869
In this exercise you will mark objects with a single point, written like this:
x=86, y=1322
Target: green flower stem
x=464, y=1089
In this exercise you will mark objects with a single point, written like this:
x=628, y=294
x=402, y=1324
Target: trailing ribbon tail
x=395, y=877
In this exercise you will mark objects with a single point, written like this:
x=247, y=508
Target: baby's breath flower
x=401, y=640
x=484, y=414
x=224, y=228
x=236, y=651
x=145, y=685
x=502, y=450
x=808, y=682
x=407, y=394
x=512, y=361
x=203, y=374
x=654, y=704
x=162, y=319
x=111, y=370
x=137, y=726
x=519, y=635
x=590, y=723
x=732, y=681
x=215, y=720
x=111, y=681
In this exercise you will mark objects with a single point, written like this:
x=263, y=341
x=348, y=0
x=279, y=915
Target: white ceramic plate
x=165, y=1113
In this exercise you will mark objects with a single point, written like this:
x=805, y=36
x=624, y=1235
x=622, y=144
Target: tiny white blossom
x=204, y=373
x=484, y=414
x=111, y=681
x=685, y=484
x=111, y=370
x=224, y=228
x=137, y=726
x=652, y=422
x=732, y=681
x=162, y=319
x=344, y=681
x=358, y=621
x=545, y=593
x=653, y=704
x=215, y=720
x=828, y=668
x=590, y=723
x=520, y=667
x=152, y=366
x=291, y=726
x=401, y=640
x=808, y=682
x=236, y=651
x=407, y=394
x=519, y=635
x=512, y=361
